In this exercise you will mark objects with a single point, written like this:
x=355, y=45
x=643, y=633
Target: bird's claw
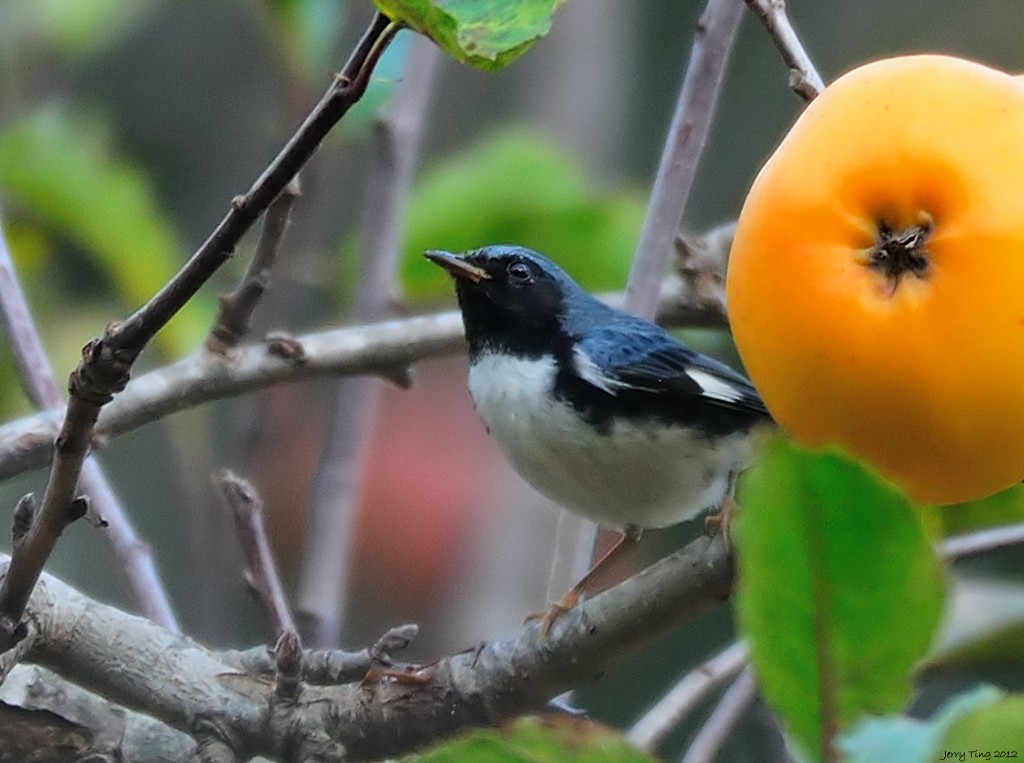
x=720, y=522
x=556, y=610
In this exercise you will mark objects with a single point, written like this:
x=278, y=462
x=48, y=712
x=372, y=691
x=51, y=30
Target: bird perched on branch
x=605, y=413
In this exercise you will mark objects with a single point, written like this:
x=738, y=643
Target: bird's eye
x=519, y=271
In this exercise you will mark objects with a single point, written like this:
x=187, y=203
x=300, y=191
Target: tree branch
x=106, y=363
x=346, y=90
x=327, y=666
x=27, y=443
x=334, y=498
x=691, y=124
x=233, y=320
x=261, y=573
x=735, y=701
x=41, y=387
x=682, y=698
x=121, y=735
x=803, y=77
x=982, y=541
x=687, y=135
x=132, y=662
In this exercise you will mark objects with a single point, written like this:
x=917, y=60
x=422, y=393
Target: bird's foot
x=556, y=610
x=720, y=522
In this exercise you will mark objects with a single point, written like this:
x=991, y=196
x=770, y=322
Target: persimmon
x=876, y=282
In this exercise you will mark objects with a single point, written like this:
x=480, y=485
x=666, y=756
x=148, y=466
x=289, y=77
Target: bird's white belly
x=642, y=473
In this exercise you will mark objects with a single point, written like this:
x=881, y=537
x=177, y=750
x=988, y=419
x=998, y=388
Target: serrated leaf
x=62, y=168
x=839, y=590
x=909, y=740
x=517, y=186
x=536, y=740
x=487, y=34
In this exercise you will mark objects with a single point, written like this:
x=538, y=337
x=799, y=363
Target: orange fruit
x=876, y=282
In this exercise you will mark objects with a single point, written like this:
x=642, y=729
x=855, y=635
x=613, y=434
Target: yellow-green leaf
x=62, y=169
x=487, y=34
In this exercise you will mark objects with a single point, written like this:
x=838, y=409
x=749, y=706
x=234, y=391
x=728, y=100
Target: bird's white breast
x=641, y=473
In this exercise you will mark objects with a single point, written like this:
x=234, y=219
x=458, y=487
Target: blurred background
x=126, y=126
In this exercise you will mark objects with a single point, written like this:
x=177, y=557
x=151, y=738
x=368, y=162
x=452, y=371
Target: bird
x=603, y=412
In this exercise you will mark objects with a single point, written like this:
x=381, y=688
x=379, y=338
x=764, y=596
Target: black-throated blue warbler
x=603, y=412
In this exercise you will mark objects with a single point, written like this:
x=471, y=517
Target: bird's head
x=512, y=298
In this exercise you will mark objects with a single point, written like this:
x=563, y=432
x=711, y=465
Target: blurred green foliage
x=60, y=169
x=487, y=34
x=74, y=29
x=839, y=591
x=516, y=186
x=909, y=740
x=990, y=729
x=1006, y=507
x=535, y=740
x=306, y=32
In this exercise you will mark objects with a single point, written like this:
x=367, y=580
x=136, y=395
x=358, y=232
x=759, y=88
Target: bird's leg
x=720, y=521
x=630, y=537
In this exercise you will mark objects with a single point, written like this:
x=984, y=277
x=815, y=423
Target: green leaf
x=909, y=740
x=534, y=740
x=990, y=730
x=62, y=168
x=487, y=34
x=839, y=590
x=517, y=186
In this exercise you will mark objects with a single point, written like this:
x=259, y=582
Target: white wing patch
x=590, y=373
x=714, y=387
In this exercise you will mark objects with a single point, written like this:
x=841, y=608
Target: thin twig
x=106, y=363
x=327, y=667
x=686, y=695
x=261, y=573
x=335, y=492
x=687, y=135
x=803, y=77
x=982, y=541
x=233, y=321
x=723, y=719
x=41, y=387
x=27, y=443
x=348, y=87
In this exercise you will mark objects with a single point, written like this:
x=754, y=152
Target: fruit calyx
x=900, y=252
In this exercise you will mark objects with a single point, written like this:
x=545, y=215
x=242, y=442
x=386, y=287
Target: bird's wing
x=637, y=356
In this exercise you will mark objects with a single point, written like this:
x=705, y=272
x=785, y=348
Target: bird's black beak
x=457, y=267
